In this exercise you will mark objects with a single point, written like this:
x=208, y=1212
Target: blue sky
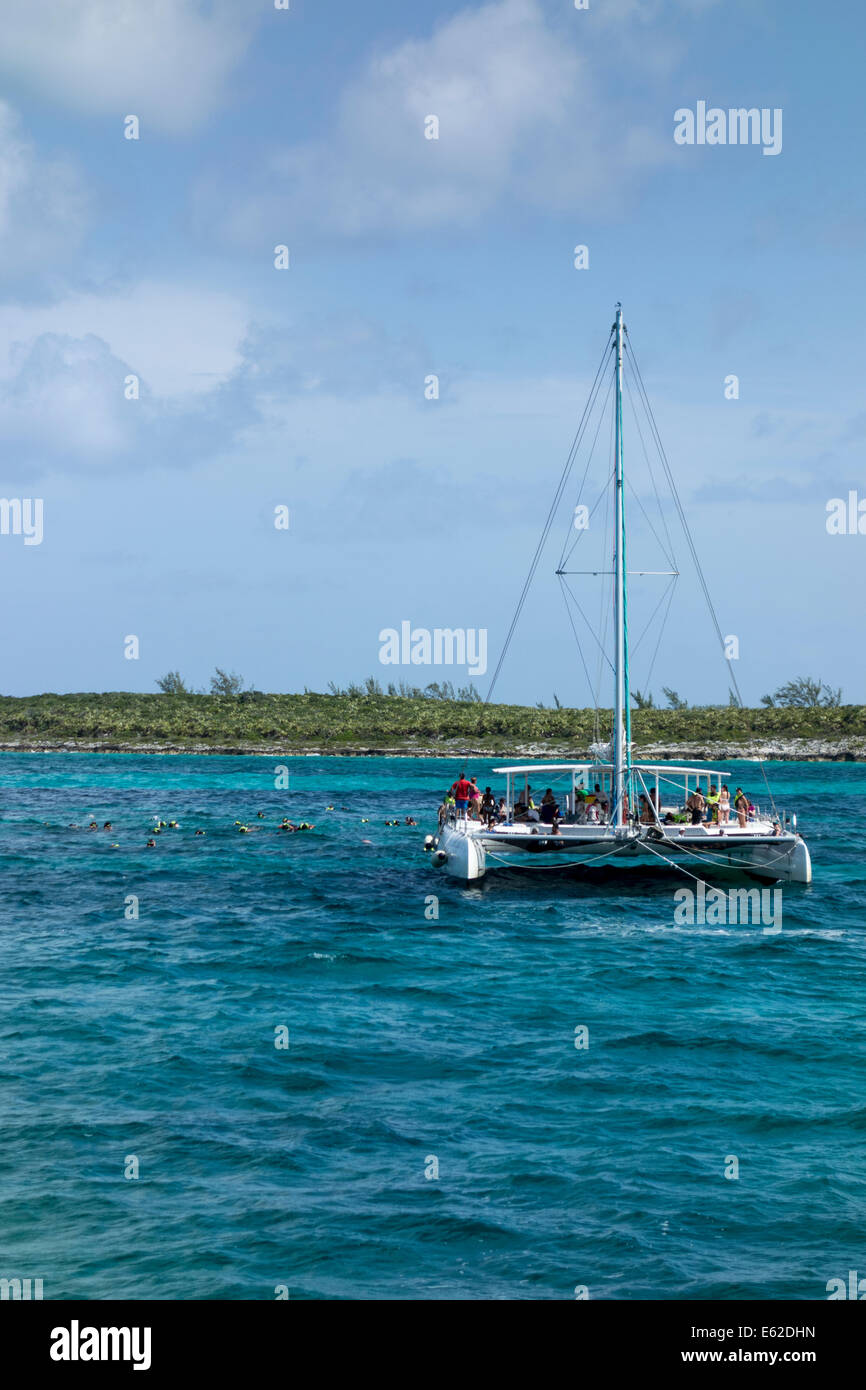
x=409, y=256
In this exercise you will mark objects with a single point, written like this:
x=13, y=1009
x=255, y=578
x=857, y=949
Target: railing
x=451, y=818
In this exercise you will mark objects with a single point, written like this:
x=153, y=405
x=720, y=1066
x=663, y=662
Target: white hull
x=467, y=851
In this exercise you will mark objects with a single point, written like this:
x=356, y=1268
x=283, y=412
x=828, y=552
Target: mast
x=620, y=702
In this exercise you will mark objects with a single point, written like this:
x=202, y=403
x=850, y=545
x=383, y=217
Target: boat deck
x=588, y=832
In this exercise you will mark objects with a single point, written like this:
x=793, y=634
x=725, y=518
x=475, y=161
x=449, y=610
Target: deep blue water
x=410, y=1038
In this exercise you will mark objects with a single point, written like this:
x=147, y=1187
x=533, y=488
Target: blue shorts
x=461, y=805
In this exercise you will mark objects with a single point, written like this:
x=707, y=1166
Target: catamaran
x=611, y=812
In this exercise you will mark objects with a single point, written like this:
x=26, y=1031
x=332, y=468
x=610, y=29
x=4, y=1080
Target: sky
x=152, y=260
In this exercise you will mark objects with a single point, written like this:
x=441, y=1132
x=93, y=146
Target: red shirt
x=462, y=790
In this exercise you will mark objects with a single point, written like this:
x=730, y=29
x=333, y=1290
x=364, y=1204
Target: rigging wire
x=579, y=649
x=603, y=654
x=603, y=496
x=670, y=552
x=633, y=493
x=563, y=559
x=679, y=506
x=672, y=589
x=628, y=787
x=566, y=472
x=605, y=599
x=689, y=539
x=671, y=581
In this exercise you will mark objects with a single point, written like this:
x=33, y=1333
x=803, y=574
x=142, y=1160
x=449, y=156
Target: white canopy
x=662, y=768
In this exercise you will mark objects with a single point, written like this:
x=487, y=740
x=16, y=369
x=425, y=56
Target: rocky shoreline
x=707, y=750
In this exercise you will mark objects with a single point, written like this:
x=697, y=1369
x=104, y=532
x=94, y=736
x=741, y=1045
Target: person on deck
x=724, y=806
x=462, y=792
x=741, y=806
x=695, y=806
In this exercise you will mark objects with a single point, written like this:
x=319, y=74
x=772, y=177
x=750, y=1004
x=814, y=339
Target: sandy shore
x=708, y=750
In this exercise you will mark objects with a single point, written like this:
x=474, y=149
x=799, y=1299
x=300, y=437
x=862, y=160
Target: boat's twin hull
x=468, y=854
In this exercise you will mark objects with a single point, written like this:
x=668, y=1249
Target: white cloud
x=207, y=378
x=42, y=203
x=523, y=112
x=64, y=398
x=165, y=61
x=179, y=340
x=64, y=409
x=63, y=370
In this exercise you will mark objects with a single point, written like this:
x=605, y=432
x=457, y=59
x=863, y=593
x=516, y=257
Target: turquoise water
x=410, y=1039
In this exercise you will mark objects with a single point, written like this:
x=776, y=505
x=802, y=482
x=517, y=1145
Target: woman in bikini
x=724, y=806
